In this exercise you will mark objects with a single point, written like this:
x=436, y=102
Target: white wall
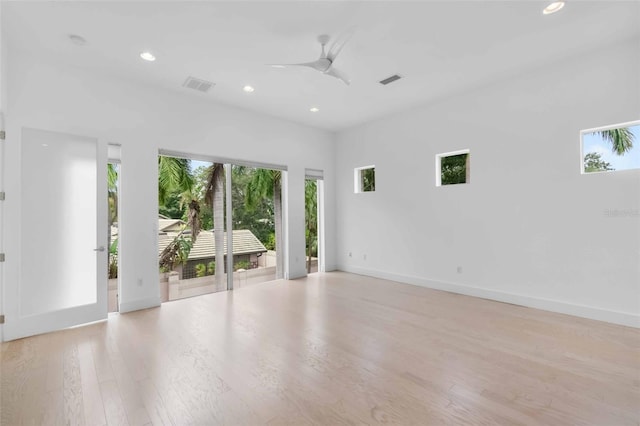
x=529, y=228
x=3, y=101
x=144, y=120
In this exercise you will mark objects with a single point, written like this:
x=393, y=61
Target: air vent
x=197, y=84
x=391, y=79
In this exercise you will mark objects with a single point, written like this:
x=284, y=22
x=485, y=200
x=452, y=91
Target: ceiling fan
x=324, y=63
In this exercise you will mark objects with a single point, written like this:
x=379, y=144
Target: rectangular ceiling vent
x=391, y=79
x=197, y=84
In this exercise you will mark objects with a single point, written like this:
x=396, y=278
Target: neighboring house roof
x=165, y=225
x=244, y=242
x=170, y=225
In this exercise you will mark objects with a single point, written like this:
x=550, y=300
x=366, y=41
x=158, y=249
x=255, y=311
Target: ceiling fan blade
x=319, y=64
x=339, y=43
x=338, y=74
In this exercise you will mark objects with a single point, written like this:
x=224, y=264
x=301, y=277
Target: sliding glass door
x=219, y=225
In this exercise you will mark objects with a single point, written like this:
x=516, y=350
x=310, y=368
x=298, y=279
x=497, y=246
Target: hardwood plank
x=91, y=397
x=330, y=349
x=72, y=386
x=113, y=406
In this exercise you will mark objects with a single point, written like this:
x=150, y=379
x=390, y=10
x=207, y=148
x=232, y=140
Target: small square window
x=452, y=168
x=611, y=148
x=365, y=179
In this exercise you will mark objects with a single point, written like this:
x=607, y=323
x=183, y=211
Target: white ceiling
x=439, y=47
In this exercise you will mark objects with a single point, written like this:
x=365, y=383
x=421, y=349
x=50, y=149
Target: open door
x=63, y=236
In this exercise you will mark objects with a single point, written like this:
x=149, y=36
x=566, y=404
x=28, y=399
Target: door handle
x=101, y=248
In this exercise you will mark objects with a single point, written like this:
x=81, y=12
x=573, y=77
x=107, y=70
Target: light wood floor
x=331, y=349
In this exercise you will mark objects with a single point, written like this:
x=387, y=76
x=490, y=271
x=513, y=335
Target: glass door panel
x=63, y=253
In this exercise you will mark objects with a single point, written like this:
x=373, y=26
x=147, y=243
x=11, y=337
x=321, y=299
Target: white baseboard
x=590, y=312
x=329, y=267
x=136, y=305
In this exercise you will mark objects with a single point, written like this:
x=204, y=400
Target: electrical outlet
x=364, y=257
x=459, y=269
x=139, y=282
x=350, y=254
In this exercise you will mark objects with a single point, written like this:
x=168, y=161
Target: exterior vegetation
x=265, y=184
x=197, y=197
x=453, y=169
x=621, y=141
x=112, y=194
x=311, y=219
x=368, y=179
x=257, y=206
x=593, y=162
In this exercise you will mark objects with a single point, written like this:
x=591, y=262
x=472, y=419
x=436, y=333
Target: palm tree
x=214, y=198
x=268, y=183
x=621, y=139
x=311, y=216
x=174, y=175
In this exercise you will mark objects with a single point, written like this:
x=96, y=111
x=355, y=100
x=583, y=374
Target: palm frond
x=174, y=175
x=112, y=177
x=621, y=139
x=261, y=186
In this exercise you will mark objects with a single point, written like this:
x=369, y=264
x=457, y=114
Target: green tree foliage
x=113, y=259
x=593, y=162
x=311, y=219
x=266, y=183
x=256, y=197
x=368, y=177
x=112, y=194
x=172, y=207
x=621, y=139
x=453, y=169
x=271, y=242
x=174, y=177
x=202, y=176
x=259, y=218
x=112, y=191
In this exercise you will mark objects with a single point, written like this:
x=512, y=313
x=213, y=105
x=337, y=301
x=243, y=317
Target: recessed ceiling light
x=148, y=56
x=277, y=66
x=314, y=109
x=553, y=7
x=77, y=40
x=248, y=89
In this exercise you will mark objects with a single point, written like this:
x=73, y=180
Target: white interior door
x=63, y=248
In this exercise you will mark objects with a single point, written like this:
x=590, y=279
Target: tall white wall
x=144, y=120
x=3, y=101
x=529, y=228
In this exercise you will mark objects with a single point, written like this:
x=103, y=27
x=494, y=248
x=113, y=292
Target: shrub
x=201, y=270
x=241, y=264
x=211, y=268
x=271, y=242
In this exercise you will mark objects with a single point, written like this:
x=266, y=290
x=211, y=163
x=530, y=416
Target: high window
x=611, y=148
